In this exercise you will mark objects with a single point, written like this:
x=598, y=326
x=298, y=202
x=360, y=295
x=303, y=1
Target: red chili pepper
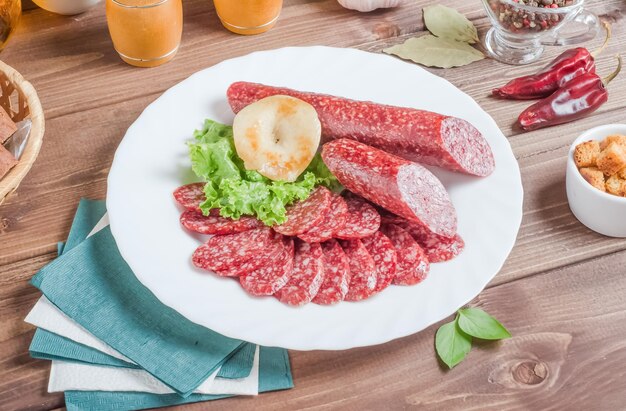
x=569, y=65
x=577, y=98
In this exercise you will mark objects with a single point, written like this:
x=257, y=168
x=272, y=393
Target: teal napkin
x=274, y=374
x=87, y=215
x=93, y=285
x=49, y=346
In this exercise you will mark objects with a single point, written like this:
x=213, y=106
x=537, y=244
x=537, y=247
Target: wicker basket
x=19, y=98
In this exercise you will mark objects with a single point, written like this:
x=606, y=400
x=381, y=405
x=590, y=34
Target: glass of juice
x=145, y=33
x=10, y=12
x=248, y=16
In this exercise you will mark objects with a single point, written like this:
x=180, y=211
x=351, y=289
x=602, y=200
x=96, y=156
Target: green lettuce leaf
x=237, y=191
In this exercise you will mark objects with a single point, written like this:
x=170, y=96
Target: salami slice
x=413, y=265
x=228, y=255
x=362, y=220
x=331, y=223
x=304, y=215
x=271, y=277
x=195, y=221
x=336, y=274
x=404, y=188
x=307, y=276
x=417, y=135
x=190, y=196
x=362, y=271
x=437, y=248
x=385, y=258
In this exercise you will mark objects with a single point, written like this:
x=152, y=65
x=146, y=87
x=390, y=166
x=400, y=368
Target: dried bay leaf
x=448, y=23
x=434, y=51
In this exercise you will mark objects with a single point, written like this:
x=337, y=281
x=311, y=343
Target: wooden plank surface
x=561, y=290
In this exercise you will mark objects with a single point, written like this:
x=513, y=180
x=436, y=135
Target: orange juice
x=10, y=11
x=248, y=16
x=145, y=33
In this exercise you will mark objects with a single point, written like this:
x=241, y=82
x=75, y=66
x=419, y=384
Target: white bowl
x=66, y=7
x=602, y=212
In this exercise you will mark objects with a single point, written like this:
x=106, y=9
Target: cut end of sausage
x=467, y=146
x=427, y=198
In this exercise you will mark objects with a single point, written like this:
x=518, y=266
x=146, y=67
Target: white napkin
x=66, y=376
x=86, y=377
x=47, y=316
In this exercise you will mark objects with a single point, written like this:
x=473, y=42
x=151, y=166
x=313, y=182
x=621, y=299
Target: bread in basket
x=19, y=99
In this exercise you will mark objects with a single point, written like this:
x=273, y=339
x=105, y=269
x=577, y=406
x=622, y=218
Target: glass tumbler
x=520, y=29
x=145, y=33
x=248, y=16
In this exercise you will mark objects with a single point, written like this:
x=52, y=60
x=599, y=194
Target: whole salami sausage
x=396, y=184
x=418, y=135
x=307, y=275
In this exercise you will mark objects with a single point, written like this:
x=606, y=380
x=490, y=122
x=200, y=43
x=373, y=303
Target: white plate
x=152, y=161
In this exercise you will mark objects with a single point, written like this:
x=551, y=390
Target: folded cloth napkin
x=126, y=315
x=274, y=374
x=67, y=376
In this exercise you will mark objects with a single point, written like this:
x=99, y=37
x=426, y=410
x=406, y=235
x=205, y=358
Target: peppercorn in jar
x=520, y=20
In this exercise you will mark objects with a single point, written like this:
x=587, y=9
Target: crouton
x=585, y=154
x=594, y=176
x=615, y=138
x=616, y=185
x=612, y=159
x=622, y=173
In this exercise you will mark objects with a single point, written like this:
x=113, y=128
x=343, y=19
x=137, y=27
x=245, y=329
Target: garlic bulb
x=369, y=5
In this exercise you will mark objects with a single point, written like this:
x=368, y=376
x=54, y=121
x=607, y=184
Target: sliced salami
x=385, y=258
x=304, y=215
x=229, y=255
x=307, y=275
x=331, y=223
x=395, y=184
x=418, y=135
x=438, y=248
x=362, y=271
x=336, y=274
x=190, y=196
x=195, y=221
x=271, y=277
x=362, y=220
x=413, y=265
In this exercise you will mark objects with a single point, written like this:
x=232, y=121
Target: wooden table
x=562, y=292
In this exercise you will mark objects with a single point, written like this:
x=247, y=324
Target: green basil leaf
x=479, y=324
x=452, y=344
